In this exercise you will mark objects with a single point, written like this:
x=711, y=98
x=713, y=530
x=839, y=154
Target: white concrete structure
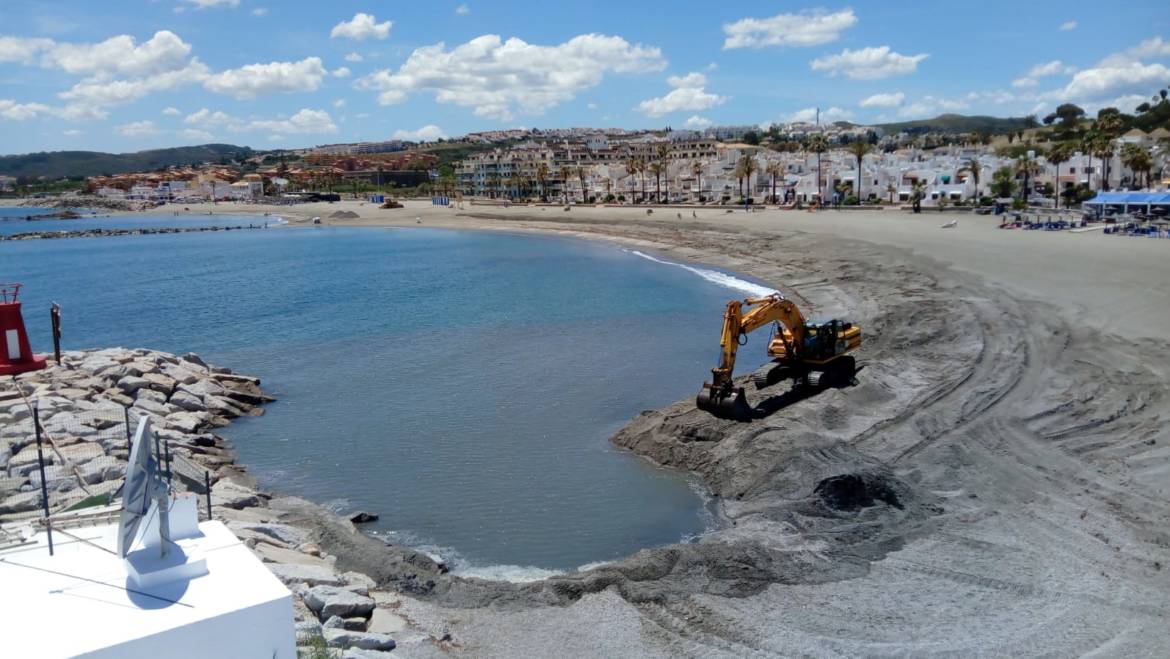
x=86, y=601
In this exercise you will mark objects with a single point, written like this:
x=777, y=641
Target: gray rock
x=203, y=388
x=293, y=574
x=21, y=503
x=188, y=402
x=358, y=653
x=307, y=628
x=160, y=382
x=340, y=638
x=132, y=383
x=54, y=476
x=194, y=359
x=11, y=485
x=151, y=394
x=229, y=495
x=289, y=536
x=180, y=374
x=329, y=601
x=187, y=422
x=161, y=409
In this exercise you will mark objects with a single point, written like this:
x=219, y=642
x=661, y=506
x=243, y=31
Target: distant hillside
x=59, y=164
x=957, y=123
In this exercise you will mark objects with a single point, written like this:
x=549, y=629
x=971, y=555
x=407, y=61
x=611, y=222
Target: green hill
x=957, y=123
x=61, y=164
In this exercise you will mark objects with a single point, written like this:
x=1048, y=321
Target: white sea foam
x=510, y=573
x=715, y=277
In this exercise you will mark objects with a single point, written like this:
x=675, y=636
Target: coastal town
x=791, y=164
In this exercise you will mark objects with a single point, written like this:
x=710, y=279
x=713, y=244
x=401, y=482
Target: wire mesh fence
x=67, y=466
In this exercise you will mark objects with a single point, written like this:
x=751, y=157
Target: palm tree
x=642, y=171
x=657, y=168
x=514, y=183
x=975, y=169
x=565, y=173
x=697, y=170
x=773, y=168
x=582, y=174
x=859, y=148
x=1130, y=157
x=1102, y=147
x=542, y=178
x=1108, y=125
x=1057, y=155
x=1027, y=168
x=749, y=166
x=818, y=145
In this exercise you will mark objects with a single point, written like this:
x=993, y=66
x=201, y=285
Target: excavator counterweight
x=812, y=355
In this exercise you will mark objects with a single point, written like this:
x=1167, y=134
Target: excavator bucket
x=731, y=405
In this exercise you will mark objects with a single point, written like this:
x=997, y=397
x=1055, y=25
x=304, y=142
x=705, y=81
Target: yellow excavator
x=813, y=355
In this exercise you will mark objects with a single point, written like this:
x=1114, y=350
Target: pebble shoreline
x=186, y=400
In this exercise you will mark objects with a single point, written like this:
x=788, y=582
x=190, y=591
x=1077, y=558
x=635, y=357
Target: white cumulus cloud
x=13, y=111
x=137, y=129
x=1053, y=68
x=21, y=49
x=260, y=11
x=807, y=28
x=305, y=121
x=502, y=78
x=688, y=95
x=463, y=9
x=172, y=111
x=262, y=79
x=195, y=134
x=929, y=106
x=354, y=57
x=361, y=27
x=695, y=122
x=809, y=115
x=892, y=100
x=868, y=63
x=340, y=72
x=428, y=133
x=1068, y=25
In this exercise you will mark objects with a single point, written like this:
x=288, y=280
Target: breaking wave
x=715, y=277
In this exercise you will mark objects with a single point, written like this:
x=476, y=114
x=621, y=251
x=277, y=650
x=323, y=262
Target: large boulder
x=132, y=383
x=21, y=503
x=229, y=495
x=341, y=638
x=188, y=402
x=187, y=422
x=329, y=601
x=292, y=574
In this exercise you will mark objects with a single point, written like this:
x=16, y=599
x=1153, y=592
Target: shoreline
x=974, y=384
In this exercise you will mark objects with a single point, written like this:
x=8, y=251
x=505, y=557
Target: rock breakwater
x=83, y=404
x=108, y=233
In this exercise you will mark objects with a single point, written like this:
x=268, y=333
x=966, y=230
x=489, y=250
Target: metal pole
x=126, y=416
x=44, y=485
x=207, y=489
x=167, y=449
x=55, y=314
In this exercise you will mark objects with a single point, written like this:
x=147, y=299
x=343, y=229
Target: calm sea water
x=462, y=385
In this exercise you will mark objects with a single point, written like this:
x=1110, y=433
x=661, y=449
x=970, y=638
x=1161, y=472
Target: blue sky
x=150, y=73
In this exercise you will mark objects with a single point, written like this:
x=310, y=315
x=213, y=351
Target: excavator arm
x=736, y=324
x=805, y=352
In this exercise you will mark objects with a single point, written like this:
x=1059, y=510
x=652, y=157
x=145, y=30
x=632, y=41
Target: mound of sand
x=344, y=215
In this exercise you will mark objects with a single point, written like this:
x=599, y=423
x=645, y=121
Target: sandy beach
x=1006, y=441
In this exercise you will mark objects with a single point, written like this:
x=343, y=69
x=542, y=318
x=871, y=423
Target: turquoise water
x=12, y=221
x=462, y=385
